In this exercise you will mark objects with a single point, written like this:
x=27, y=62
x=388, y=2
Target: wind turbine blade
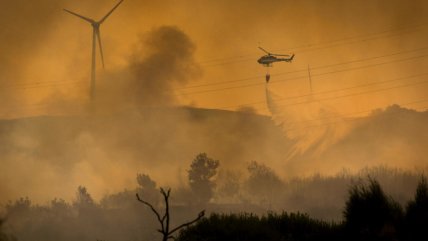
x=101, y=47
x=80, y=16
x=108, y=14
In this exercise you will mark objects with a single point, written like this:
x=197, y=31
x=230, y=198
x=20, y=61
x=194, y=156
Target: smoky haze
x=91, y=150
x=50, y=142
x=149, y=60
x=26, y=26
x=55, y=49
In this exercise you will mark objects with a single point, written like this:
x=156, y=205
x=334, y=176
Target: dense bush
x=371, y=215
x=249, y=227
x=417, y=214
x=3, y=235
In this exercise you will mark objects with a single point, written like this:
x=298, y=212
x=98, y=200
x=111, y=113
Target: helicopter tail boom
x=287, y=59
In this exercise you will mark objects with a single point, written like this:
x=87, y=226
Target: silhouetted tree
x=83, y=197
x=120, y=200
x=84, y=202
x=201, y=174
x=20, y=206
x=164, y=221
x=145, y=181
x=4, y=236
x=262, y=182
x=417, y=213
x=147, y=187
x=229, y=186
x=370, y=214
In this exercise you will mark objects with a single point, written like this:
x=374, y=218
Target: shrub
x=417, y=213
x=371, y=215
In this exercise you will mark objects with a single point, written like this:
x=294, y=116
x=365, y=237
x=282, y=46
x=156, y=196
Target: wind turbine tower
x=96, y=35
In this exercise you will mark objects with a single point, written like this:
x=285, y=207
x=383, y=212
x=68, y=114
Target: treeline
x=369, y=215
x=257, y=189
x=3, y=235
x=116, y=216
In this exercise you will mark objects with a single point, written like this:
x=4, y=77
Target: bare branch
x=166, y=198
x=152, y=208
x=166, y=215
x=165, y=194
x=165, y=220
x=201, y=215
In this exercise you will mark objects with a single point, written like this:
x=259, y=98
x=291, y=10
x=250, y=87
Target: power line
x=40, y=84
x=394, y=29
x=304, y=70
x=54, y=83
x=301, y=77
x=332, y=91
x=59, y=83
x=341, y=117
x=339, y=121
x=360, y=93
x=324, y=92
x=372, y=65
x=330, y=44
x=350, y=114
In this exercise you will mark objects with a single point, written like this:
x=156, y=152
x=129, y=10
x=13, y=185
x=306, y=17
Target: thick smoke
x=163, y=60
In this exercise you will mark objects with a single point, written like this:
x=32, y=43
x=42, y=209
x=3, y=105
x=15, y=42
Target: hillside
x=49, y=156
x=395, y=137
x=105, y=152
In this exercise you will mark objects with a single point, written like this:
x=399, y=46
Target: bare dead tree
x=165, y=219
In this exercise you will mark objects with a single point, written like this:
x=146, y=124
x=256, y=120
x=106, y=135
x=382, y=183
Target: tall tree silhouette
x=3, y=236
x=417, y=213
x=370, y=214
x=201, y=177
x=83, y=198
x=164, y=220
x=147, y=187
x=262, y=182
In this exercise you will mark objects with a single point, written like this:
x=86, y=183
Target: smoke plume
x=163, y=61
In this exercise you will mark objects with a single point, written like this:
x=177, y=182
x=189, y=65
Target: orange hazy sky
x=362, y=54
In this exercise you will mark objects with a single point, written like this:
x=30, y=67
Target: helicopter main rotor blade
x=264, y=50
x=111, y=11
x=284, y=55
x=80, y=16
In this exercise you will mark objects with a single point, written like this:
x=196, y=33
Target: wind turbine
x=95, y=35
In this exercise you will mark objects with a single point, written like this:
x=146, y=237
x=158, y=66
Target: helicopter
x=269, y=59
